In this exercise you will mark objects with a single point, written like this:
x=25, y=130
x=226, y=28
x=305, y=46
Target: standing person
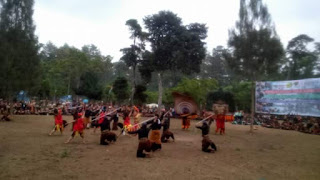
x=126, y=122
x=155, y=136
x=136, y=117
x=78, y=128
x=220, y=123
x=241, y=116
x=58, y=122
x=206, y=142
x=86, y=118
x=185, y=123
x=236, y=117
x=101, y=117
x=144, y=142
x=115, y=119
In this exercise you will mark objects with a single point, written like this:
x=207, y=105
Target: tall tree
x=301, y=61
x=121, y=89
x=20, y=65
x=139, y=96
x=216, y=67
x=90, y=86
x=174, y=46
x=197, y=88
x=132, y=55
x=256, y=48
x=120, y=70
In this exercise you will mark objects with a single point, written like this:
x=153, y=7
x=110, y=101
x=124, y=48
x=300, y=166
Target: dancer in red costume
x=78, y=128
x=126, y=123
x=58, y=122
x=220, y=121
x=220, y=110
x=101, y=118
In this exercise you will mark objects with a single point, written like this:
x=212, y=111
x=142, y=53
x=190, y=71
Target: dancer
x=155, y=136
x=220, y=109
x=185, y=120
x=126, y=122
x=101, y=116
x=78, y=128
x=144, y=142
x=136, y=117
x=206, y=142
x=58, y=122
x=220, y=123
x=86, y=118
x=106, y=135
x=166, y=133
x=115, y=119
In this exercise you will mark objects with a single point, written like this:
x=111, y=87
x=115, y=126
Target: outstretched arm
x=198, y=126
x=133, y=132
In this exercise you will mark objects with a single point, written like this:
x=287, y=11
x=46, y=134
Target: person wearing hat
x=144, y=142
x=206, y=142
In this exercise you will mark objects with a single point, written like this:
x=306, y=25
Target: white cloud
x=80, y=22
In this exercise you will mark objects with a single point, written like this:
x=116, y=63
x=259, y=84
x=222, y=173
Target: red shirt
x=58, y=118
x=220, y=118
x=126, y=121
x=78, y=125
x=101, y=117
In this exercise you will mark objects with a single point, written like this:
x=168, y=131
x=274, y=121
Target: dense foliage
x=175, y=61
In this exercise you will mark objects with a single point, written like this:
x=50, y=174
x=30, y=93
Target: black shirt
x=156, y=125
x=87, y=113
x=115, y=117
x=105, y=125
x=166, y=124
x=205, y=128
x=143, y=132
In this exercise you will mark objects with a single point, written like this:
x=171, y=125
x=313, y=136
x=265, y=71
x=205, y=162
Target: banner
x=299, y=97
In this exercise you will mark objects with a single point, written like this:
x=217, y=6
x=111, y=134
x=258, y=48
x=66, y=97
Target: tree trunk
x=252, y=105
x=160, y=92
x=133, y=84
x=69, y=86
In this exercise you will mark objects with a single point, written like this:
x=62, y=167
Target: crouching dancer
x=106, y=135
x=144, y=142
x=206, y=142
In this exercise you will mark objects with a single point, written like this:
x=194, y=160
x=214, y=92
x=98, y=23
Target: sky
x=102, y=22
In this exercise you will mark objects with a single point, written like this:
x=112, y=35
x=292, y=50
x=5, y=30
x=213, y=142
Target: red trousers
x=220, y=125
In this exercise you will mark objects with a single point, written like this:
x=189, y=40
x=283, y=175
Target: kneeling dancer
x=166, y=134
x=144, y=142
x=206, y=142
x=155, y=136
x=106, y=134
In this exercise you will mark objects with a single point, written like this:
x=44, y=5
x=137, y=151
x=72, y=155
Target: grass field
x=27, y=152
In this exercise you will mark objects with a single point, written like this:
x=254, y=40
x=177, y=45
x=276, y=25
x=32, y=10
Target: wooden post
x=252, y=105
